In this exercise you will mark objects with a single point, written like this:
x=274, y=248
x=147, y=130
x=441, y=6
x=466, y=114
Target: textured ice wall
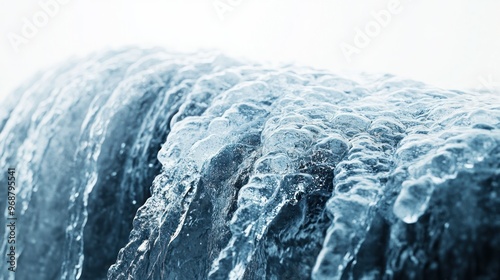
x=263, y=173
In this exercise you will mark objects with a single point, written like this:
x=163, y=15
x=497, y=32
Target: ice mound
x=262, y=173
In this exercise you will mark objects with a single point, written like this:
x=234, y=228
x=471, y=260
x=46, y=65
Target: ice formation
x=144, y=164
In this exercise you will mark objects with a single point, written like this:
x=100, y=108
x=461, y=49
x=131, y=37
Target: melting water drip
x=145, y=164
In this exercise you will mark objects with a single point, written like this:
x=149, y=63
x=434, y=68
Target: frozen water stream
x=262, y=173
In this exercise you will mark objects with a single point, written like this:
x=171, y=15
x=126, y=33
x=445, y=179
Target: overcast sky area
x=448, y=43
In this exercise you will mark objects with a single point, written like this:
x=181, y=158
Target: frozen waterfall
x=145, y=164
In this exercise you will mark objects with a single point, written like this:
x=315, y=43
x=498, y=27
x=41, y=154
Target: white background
x=447, y=43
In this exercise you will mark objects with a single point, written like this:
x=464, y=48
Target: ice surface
x=262, y=173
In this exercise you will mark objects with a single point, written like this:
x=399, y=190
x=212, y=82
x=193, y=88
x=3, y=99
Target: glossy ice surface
x=172, y=166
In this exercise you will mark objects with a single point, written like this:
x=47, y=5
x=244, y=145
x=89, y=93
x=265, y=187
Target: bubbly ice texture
x=262, y=173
